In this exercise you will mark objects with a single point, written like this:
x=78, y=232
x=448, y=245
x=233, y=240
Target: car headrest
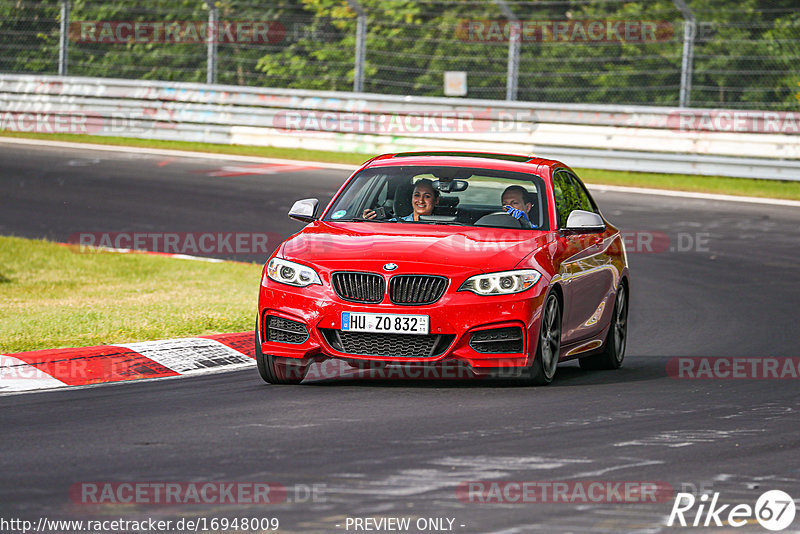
x=448, y=202
x=533, y=214
x=402, y=199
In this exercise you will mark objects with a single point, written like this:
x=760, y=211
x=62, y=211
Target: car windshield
x=443, y=195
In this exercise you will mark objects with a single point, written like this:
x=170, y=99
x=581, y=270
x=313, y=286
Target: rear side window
x=570, y=194
x=565, y=197
x=584, y=200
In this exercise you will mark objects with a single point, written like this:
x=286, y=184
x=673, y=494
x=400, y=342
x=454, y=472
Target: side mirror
x=585, y=222
x=304, y=210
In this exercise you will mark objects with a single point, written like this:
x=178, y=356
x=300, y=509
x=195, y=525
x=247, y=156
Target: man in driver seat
x=516, y=201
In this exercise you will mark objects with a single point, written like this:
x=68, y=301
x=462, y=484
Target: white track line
x=178, y=153
x=149, y=253
x=688, y=194
x=339, y=166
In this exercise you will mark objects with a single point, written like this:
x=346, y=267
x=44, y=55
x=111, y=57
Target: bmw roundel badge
x=389, y=267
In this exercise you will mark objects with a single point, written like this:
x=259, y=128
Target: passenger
x=424, y=198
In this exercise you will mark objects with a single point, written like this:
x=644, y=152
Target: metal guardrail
x=632, y=138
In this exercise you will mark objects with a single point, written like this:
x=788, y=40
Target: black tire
x=271, y=373
x=614, y=347
x=543, y=367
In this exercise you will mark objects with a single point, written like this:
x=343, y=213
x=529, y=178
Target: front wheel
x=548, y=350
x=614, y=350
x=273, y=373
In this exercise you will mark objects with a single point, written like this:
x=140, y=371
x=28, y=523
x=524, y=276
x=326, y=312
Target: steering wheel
x=500, y=218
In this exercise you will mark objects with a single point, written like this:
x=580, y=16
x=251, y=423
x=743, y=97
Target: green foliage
x=29, y=36
x=746, y=52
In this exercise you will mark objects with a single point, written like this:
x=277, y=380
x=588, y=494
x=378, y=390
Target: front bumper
x=455, y=317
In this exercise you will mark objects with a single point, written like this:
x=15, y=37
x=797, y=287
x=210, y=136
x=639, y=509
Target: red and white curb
x=57, y=368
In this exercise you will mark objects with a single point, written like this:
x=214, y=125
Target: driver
x=516, y=201
x=424, y=198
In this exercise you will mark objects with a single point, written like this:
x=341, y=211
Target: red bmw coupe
x=501, y=263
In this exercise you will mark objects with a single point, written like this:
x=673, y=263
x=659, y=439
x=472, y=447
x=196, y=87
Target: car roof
x=486, y=160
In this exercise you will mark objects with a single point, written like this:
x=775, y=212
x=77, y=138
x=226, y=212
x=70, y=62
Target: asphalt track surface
x=398, y=448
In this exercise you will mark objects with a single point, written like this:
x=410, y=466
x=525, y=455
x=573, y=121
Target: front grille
x=285, y=331
x=399, y=345
x=497, y=340
x=358, y=287
x=416, y=289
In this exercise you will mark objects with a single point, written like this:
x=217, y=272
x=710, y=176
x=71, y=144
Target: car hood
x=413, y=247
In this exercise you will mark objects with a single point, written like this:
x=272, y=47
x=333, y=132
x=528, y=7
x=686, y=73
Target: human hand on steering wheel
x=517, y=213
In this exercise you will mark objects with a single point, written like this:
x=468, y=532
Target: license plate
x=386, y=323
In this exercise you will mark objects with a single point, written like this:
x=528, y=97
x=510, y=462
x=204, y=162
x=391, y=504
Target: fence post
x=211, y=39
x=361, y=45
x=689, y=34
x=63, y=40
x=514, y=38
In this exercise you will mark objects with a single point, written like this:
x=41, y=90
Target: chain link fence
x=721, y=54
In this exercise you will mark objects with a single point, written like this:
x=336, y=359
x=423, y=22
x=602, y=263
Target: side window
x=565, y=197
x=584, y=200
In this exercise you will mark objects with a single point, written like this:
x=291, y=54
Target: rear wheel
x=548, y=350
x=275, y=373
x=614, y=350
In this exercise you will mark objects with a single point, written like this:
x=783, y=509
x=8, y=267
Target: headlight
x=504, y=283
x=294, y=274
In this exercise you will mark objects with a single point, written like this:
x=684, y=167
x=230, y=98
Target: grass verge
x=676, y=182
x=53, y=297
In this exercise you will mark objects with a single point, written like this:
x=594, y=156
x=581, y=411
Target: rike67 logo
x=774, y=510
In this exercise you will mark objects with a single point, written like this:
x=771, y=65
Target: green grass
x=52, y=296
x=700, y=184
